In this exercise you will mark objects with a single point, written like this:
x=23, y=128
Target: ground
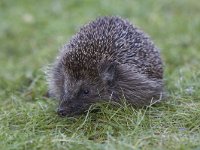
x=31, y=32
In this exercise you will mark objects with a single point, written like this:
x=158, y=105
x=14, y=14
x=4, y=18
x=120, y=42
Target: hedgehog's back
x=115, y=39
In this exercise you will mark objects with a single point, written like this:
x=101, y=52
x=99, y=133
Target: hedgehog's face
x=76, y=96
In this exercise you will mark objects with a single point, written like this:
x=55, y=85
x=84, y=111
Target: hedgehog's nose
x=62, y=112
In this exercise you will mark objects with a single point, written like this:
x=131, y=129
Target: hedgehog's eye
x=86, y=92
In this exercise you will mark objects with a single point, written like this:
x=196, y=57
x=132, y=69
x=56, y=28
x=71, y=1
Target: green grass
x=31, y=32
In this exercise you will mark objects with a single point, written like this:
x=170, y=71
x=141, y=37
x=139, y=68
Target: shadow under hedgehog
x=107, y=60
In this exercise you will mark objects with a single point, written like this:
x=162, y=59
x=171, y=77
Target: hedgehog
x=109, y=59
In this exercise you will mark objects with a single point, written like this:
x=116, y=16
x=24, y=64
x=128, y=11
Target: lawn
x=31, y=32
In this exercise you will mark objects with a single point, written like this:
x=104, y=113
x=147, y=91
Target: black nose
x=62, y=112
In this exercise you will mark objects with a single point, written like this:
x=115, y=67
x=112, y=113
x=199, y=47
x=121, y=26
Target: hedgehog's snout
x=69, y=111
x=62, y=112
x=71, y=108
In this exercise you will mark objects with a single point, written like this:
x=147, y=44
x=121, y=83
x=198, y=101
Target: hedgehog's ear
x=107, y=72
